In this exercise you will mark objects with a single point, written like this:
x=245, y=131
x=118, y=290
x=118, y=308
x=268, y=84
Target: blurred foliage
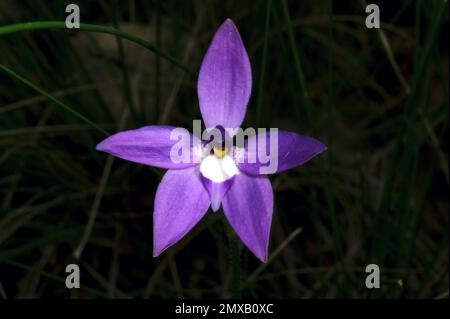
x=378, y=99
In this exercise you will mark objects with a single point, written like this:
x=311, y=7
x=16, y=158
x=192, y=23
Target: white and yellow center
x=218, y=167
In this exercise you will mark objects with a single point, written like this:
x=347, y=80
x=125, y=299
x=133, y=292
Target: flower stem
x=235, y=262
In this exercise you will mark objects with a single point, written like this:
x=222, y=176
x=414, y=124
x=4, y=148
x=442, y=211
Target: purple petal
x=181, y=201
x=152, y=145
x=217, y=191
x=248, y=206
x=290, y=150
x=225, y=79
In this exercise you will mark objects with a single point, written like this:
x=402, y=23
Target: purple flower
x=215, y=173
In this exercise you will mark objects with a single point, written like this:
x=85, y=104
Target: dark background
x=377, y=98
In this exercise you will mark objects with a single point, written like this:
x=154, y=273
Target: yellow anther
x=220, y=152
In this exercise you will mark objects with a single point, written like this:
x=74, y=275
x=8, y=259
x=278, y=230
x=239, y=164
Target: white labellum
x=218, y=169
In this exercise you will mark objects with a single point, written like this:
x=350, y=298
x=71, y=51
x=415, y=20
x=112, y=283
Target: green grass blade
x=52, y=98
x=40, y=25
x=263, y=63
x=123, y=64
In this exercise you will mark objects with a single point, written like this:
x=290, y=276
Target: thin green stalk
x=330, y=84
x=375, y=45
x=53, y=277
x=303, y=87
x=263, y=63
x=327, y=172
x=123, y=64
x=157, y=61
x=315, y=216
x=235, y=262
x=298, y=65
x=409, y=119
x=430, y=266
x=46, y=25
x=431, y=38
x=284, y=66
x=53, y=99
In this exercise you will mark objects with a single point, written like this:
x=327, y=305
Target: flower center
x=220, y=152
x=218, y=168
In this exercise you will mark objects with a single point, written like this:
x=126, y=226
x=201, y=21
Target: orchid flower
x=214, y=175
